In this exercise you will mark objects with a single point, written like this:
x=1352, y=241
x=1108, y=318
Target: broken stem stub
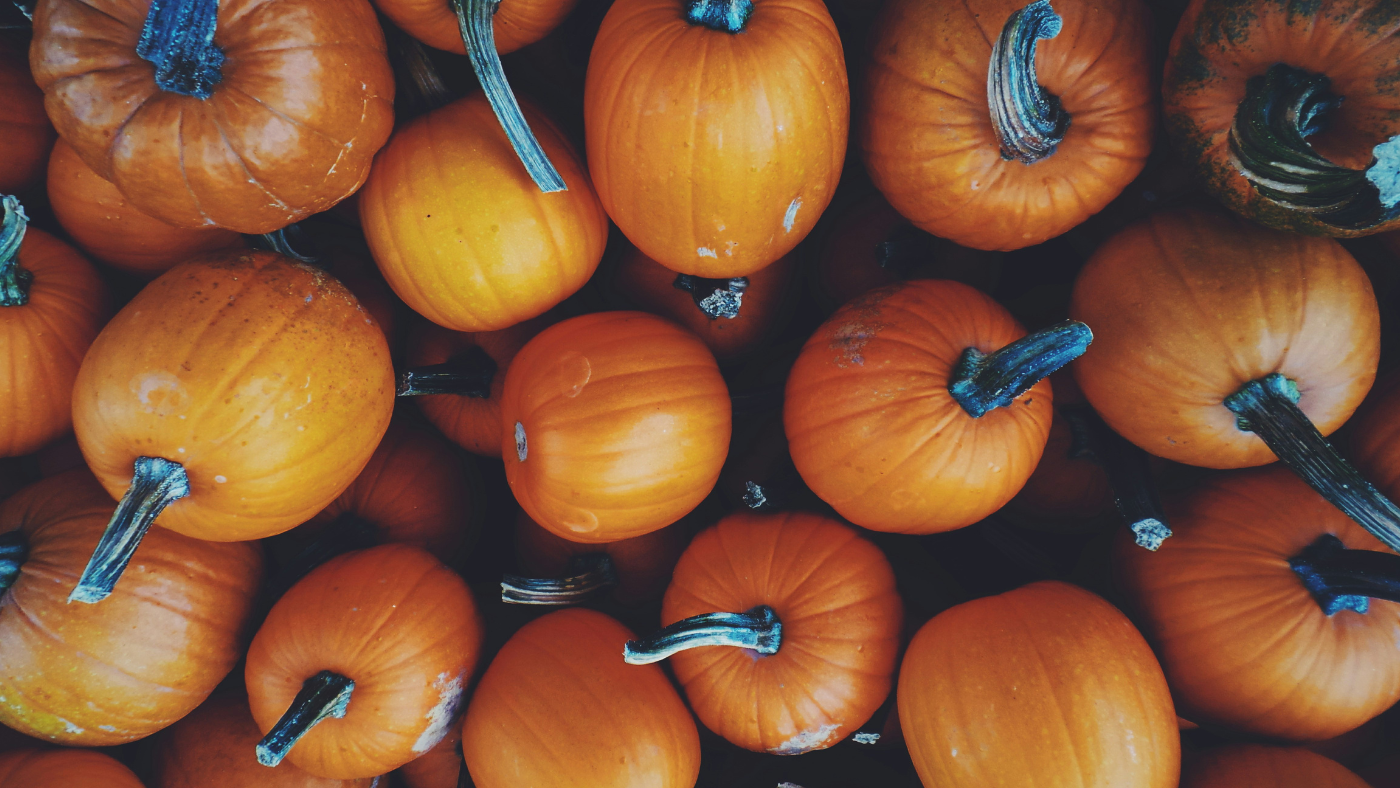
x=1341, y=579
x=716, y=298
x=1029, y=121
x=156, y=483
x=757, y=629
x=14, y=281
x=982, y=382
x=325, y=694
x=587, y=573
x=1129, y=475
x=468, y=374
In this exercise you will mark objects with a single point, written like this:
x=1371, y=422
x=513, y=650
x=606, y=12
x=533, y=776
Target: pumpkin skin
x=63, y=769
x=841, y=617
x=42, y=342
x=1257, y=766
x=1187, y=307
x=613, y=425
x=97, y=675
x=24, y=128
x=305, y=100
x=643, y=563
x=764, y=132
x=515, y=23
x=561, y=679
x=232, y=323
x=1219, y=45
x=460, y=231
x=872, y=427
x=1371, y=436
x=1242, y=641
x=439, y=767
x=105, y=225
x=397, y=622
x=926, y=131
x=1045, y=685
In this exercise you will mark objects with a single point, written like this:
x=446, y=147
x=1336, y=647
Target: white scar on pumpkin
x=449, y=699
x=806, y=741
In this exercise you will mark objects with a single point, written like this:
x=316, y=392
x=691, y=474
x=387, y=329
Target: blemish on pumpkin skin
x=706, y=252
x=440, y=716
x=807, y=741
x=850, y=338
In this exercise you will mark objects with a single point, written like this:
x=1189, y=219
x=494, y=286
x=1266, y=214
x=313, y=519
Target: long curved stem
x=474, y=20
x=14, y=548
x=1268, y=408
x=757, y=629
x=1129, y=475
x=1341, y=579
x=325, y=694
x=14, y=281
x=588, y=573
x=982, y=382
x=1029, y=122
x=715, y=297
x=156, y=483
x=178, y=39
x=285, y=242
x=468, y=374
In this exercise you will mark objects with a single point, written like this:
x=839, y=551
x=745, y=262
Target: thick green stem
x=14, y=548
x=325, y=694
x=726, y=16
x=1341, y=579
x=14, y=281
x=474, y=21
x=178, y=39
x=468, y=374
x=1268, y=145
x=286, y=241
x=1268, y=408
x=156, y=483
x=716, y=298
x=757, y=629
x=982, y=382
x=587, y=573
x=1029, y=122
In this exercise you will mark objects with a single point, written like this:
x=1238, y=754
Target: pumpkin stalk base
x=715, y=297
x=325, y=694
x=1029, y=122
x=726, y=16
x=587, y=574
x=156, y=483
x=1129, y=476
x=14, y=548
x=757, y=629
x=178, y=39
x=1341, y=579
x=14, y=281
x=982, y=382
x=468, y=374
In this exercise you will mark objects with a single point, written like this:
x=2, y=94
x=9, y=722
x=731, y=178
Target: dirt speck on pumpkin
x=856, y=324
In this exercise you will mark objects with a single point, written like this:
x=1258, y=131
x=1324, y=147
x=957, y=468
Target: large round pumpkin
x=716, y=130
x=64, y=769
x=270, y=113
x=25, y=131
x=1257, y=766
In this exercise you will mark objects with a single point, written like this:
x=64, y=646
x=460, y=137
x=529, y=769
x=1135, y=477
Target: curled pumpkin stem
x=715, y=297
x=474, y=20
x=587, y=573
x=757, y=629
x=156, y=483
x=726, y=16
x=468, y=374
x=287, y=241
x=14, y=548
x=982, y=382
x=325, y=694
x=1341, y=579
x=1129, y=476
x=1268, y=408
x=14, y=281
x=1029, y=121
x=178, y=39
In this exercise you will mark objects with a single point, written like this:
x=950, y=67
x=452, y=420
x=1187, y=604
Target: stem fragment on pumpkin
x=474, y=21
x=285, y=242
x=325, y=694
x=14, y=548
x=1029, y=122
x=982, y=382
x=1129, y=475
x=1268, y=408
x=156, y=483
x=14, y=281
x=1269, y=147
x=178, y=39
x=588, y=573
x=425, y=90
x=716, y=298
x=726, y=16
x=757, y=629
x=1341, y=579
x=468, y=374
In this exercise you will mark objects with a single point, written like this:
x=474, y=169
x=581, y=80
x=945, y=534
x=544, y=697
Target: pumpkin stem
x=468, y=374
x=14, y=548
x=1268, y=145
x=726, y=16
x=285, y=242
x=325, y=694
x=155, y=484
x=759, y=498
x=1129, y=475
x=715, y=297
x=178, y=39
x=14, y=281
x=588, y=573
x=982, y=382
x=1341, y=579
x=757, y=629
x=474, y=20
x=1029, y=122
x=1268, y=408
x=425, y=89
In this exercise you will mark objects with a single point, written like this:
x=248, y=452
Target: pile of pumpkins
x=721, y=441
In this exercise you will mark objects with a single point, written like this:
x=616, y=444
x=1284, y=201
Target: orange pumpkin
x=1257, y=766
x=1069, y=490
x=613, y=424
x=243, y=114
x=51, y=306
x=24, y=128
x=1372, y=433
x=713, y=145
x=361, y=666
x=560, y=679
x=1048, y=684
x=440, y=767
x=919, y=407
x=63, y=769
x=560, y=572
x=514, y=23
x=235, y=397
x=811, y=616
x=101, y=221
x=116, y=672
x=1003, y=125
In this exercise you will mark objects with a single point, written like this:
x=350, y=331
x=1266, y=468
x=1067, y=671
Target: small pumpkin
x=24, y=128
x=362, y=665
x=63, y=769
x=561, y=679
x=1258, y=766
x=557, y=571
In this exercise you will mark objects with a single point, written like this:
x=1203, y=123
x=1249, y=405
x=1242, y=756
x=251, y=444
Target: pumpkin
x=560, y=572
x=51, y=306
x=234, y=397
x=244, y=114
x=811, y=616
x=713, y=144
x=1047, y=685
x=614, y=424
x=112, y=673
x=63, y=769
x=361, y=666
x=460, y=232
x=560, y=679
x=1372, y=432
x=103, y=223
x=214, y=746
x=24, y=127
x=1286, y=113
x=1257, y=766
x=1238, y=606
x=1004, y=125
x=1068, y=490
x=440, y=767
x=919, y=407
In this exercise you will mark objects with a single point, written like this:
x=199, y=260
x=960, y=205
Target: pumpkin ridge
x=218, y=123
